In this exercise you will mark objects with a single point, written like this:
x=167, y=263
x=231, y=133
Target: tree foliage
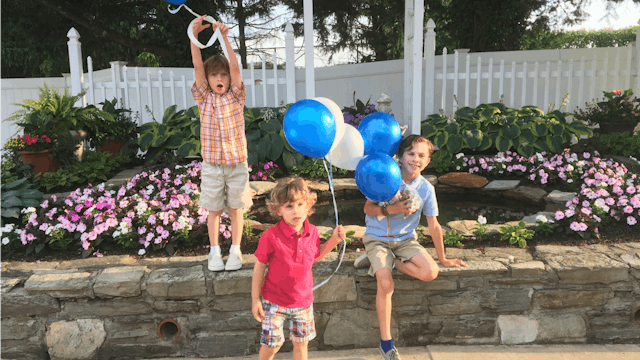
x=578, y=39
x=137, y=31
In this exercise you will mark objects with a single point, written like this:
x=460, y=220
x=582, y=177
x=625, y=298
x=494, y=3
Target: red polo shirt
x=290, y=256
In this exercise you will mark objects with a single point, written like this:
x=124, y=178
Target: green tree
x=34, y=32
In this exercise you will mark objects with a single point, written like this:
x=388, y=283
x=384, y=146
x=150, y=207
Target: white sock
x=234, y=249
x=214, y=249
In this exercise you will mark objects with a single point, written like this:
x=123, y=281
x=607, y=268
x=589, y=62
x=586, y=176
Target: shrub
x=354, y=115
x=619, y=107
x=622, y=143
x=178, y=133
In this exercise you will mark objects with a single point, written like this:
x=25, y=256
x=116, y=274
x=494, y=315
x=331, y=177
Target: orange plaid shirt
x=222, y=138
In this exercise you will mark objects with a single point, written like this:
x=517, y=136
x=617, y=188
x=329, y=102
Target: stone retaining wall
x=111, y=308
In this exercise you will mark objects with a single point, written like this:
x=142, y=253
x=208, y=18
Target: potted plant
x=619, y=113
x=58, y=114
x=35, y=150
x=113, y=127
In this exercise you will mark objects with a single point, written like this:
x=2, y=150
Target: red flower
x=617, y=92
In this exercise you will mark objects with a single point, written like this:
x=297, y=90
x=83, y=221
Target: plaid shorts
x=301, y=325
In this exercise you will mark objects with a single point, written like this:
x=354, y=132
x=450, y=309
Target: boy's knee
x=385, y=285
x=430, y=273
x=301, y=345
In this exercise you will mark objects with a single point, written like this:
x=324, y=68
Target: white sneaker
x=234, y=262
x=215, y=262
x=362, y=262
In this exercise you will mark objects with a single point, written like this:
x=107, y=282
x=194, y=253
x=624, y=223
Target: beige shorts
x=225, y=185
x=381, y=253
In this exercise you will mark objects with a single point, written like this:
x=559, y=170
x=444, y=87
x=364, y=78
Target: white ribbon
x=216, y=35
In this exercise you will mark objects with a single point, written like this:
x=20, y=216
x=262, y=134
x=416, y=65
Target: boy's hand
x=223, y=28
x=402, y=207
x=339, y=232
x=257, y=310
x=453, y=262
x=199, y=25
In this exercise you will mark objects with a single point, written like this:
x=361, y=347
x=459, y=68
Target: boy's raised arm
x=338, y=235
x=196, y=55
x=234, y=68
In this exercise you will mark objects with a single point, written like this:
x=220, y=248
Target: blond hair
x=289, y=190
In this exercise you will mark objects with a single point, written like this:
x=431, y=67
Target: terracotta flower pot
x=617, y=127
x=112, y=146
x=40, y=160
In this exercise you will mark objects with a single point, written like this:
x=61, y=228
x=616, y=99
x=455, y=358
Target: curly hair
x=408, y=142
x=289, y=190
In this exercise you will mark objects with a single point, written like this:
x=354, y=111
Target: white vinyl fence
x=538, y=77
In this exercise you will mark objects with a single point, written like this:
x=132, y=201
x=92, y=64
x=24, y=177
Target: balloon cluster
x=316, y=128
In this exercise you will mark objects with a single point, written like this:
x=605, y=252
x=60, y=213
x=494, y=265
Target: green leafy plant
x=481, y=231
x=179, y=132
x=619, y=107
x=265, y=136
x=113, y=124
x=95, y=167
x=526, y=130
x=347, y=240
x=517, y=234
x=543, y=225
x=314, y=169
x=17, y=195
x=451, y=237
x=622, y=143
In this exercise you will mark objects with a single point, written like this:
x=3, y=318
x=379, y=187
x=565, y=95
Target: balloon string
x=343, y=243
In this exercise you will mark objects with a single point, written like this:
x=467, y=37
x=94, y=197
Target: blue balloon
x=176, y=2
x=310, y=128
x=378, y=177
x=380, y=133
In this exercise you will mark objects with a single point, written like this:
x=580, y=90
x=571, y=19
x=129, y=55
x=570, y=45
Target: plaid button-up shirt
x=222, y=138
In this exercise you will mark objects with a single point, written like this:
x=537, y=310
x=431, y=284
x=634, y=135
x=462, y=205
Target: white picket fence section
x=473, y=81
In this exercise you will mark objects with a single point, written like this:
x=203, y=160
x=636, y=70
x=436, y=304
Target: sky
x=623, y=15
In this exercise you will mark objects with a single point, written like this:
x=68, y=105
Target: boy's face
x=415, y=159
x=294, y=213
x=219, y=82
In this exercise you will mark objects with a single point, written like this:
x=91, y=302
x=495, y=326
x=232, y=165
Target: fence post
x=116, y=75
x=430, y=68
x=416, y=111
x=75, y=64
x=637, y=92
x=310, y=77
x=408, y=58
x=290, y=64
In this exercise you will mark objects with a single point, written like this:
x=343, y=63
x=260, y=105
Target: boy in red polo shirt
x=219, y=93
x=289, y=249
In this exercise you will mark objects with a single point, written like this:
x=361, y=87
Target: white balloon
x=337, y=115
x=349, y=151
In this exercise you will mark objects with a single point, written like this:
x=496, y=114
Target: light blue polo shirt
x=401, y=228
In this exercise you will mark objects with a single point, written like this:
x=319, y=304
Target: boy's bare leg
x=237, y=223
x=383, y=302
x=213, y=225
x=267, y=353
x=421, y=267
x=300, y=350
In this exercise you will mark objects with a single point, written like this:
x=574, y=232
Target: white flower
x=569, y=168
x=457, y=167
x=459, y=155
x=178, y=166
x=142, y=252
x=569, y=181
x=18, y=231
x=5, y=241
x=116, y=234
x=482, y=220
x=541, y=218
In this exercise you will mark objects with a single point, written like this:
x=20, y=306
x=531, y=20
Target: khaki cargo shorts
x=381, y=253
x=225, y=185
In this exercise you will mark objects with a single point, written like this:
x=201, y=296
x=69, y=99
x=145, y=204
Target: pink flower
x=631, y=220
x=264, y=178
x=142, y=230
x=628, y=209
x=559, y=215
x=266, y=166
x=585, y=211
x=227, y=234
x=259, y=173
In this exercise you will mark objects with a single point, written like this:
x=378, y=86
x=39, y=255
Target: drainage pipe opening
x=168, y=329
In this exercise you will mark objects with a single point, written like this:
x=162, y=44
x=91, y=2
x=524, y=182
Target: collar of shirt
x=288, y=231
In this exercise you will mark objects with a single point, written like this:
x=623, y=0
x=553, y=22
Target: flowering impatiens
x=154, y=209
x=607, y=190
